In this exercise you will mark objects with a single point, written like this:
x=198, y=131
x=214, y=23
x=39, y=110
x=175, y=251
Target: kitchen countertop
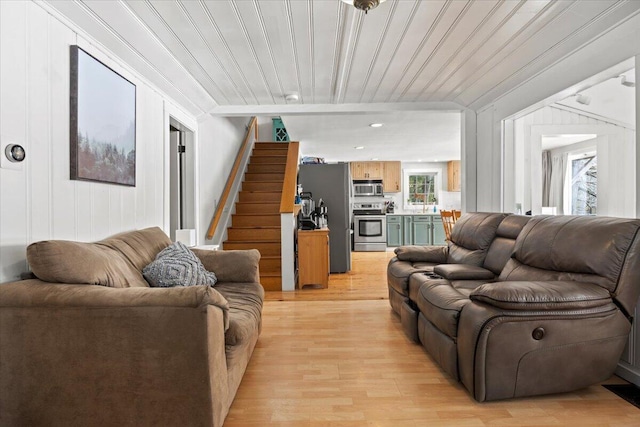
x=415, y=213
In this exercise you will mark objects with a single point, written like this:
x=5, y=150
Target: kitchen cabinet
x=418, y=230
x=394, y=230
x=438, y=236
x=453, y=175
x=366, y=170
x=422, y=230
x=391, y=177
x=313, y=257
x=389, y=172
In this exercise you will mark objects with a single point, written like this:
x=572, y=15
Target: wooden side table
x=313, y=257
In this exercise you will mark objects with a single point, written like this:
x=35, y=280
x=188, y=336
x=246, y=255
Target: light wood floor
x=338, y=357
x=367, y=280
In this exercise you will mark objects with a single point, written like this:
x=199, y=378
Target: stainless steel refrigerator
x=332, y=184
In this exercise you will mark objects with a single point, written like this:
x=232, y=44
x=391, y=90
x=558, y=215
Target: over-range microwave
x=367, y=187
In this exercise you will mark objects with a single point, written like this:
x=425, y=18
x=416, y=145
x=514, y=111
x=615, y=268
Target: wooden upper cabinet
x=366, y=170
x=374, y=170
x=388, y=172
x=391, y=178
x=357, y=170
x=453, y=175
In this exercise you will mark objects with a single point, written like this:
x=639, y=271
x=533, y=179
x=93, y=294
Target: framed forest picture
x=103, y=122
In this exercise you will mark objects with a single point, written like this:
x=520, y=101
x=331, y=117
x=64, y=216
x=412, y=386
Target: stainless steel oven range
x=369, y=226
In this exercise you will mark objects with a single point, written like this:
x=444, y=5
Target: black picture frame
x=102, y=122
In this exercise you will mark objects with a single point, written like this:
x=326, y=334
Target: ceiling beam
x=311, y=109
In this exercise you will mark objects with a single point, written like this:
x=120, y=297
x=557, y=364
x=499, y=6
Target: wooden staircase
x=256, y=221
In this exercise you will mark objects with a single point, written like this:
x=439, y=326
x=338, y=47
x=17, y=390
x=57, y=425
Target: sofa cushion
x=399, y=272
x=64, y=261
x=140, y=247
x=466, y=287
x=591, y=249
x=471, y=236
x=233, y=265
x=440, y=303
x=245, y=308
x=176, y=265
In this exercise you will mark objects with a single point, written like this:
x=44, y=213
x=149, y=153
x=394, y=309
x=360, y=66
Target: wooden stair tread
x=268, y=176
x=257, y=203
x=264, y=173
x=258, y=226
x=259, y=214
x=266, y=151
x=251, y=242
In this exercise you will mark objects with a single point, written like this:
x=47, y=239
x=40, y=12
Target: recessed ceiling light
x=583, y=99
x=359, y=147
x=419, y=160
x=435, y=160
x=376, y=125
x=291, y=97
x=375, y=158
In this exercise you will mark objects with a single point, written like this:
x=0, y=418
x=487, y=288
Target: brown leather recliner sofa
x=90, y=343
x=556, y=318
x=476, y=237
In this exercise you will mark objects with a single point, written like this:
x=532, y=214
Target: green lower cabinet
x=394, y=230
x=422, y=230
x=407, y=230
x=439, y=238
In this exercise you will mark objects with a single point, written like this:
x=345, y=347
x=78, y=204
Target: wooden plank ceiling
x=212, y=54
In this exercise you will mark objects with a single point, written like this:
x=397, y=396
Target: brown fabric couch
x=556, y=319
x=88, y=342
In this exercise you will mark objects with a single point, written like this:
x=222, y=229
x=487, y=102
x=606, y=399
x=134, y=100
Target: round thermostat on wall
x=15, y=153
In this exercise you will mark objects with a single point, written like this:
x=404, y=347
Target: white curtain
x=556, y=187
x=546, y=177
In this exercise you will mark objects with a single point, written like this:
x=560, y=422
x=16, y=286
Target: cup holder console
x=433, y=276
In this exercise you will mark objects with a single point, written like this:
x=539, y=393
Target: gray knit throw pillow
x=176, y=265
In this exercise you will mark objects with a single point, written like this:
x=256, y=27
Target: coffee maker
x=307, y=214
x=321, y=214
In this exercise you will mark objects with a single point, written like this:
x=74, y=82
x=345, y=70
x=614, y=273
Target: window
x=422, y=188
x=584, y=184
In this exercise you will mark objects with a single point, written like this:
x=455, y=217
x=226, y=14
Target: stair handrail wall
x=249, y=140
x=289, y=185
x=288, y=218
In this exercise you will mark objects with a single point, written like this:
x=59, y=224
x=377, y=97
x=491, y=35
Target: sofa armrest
x=232, y=266
x=36, y=293
x=543, y=295
x=412, y=253
x=463, y=272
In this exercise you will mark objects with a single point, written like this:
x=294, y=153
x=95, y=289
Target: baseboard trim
x=628, y=373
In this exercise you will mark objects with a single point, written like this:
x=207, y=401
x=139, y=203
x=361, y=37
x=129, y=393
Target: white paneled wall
x=616, y=154
x=219, y=141
x=488, y=164
x=40, y=201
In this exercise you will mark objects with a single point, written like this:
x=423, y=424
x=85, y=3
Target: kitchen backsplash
x=446, y=200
